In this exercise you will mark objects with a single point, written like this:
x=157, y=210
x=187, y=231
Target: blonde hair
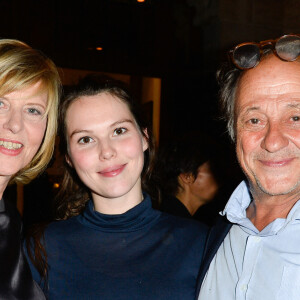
x=22, y=66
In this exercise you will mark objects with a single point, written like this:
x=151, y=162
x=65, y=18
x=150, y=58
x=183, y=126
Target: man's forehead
x=272, y=79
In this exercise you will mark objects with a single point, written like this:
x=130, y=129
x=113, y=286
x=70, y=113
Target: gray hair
x=228, y=77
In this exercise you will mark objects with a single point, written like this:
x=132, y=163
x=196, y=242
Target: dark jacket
x=215, y=238
x=16, y=282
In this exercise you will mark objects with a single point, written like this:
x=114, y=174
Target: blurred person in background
x=189, y=173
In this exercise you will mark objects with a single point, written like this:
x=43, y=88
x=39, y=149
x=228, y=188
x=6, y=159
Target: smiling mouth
x=111, y=172
x=275, y=164
x=10, y=145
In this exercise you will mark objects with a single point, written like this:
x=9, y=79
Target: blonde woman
x=29, y=93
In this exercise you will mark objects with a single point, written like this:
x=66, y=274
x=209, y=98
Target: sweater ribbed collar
x=136, y=218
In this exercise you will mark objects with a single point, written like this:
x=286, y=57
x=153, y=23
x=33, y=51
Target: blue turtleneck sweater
x=141, y=254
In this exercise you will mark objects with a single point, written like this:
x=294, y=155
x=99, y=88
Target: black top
x=16, y=282
x=207, y=213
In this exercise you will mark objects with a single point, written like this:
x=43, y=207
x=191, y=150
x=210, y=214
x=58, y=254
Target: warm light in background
x=140, y=1
x=56, y=185
x=99, y=48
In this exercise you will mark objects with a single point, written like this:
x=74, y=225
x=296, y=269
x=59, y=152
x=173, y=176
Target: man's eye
x=85, y=140
x=296, y=118
x=254, y=121
x=119, y=131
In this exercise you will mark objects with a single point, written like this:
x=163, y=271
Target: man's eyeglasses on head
x=248, y=55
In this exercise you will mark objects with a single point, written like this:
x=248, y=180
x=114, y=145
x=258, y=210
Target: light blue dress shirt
x=252, y=264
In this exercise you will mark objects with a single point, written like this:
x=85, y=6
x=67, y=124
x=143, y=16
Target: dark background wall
x=181, y=41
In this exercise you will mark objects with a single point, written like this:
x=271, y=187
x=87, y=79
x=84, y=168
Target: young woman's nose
x=107, y=150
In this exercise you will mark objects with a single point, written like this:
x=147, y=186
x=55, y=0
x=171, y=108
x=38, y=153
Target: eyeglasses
x=248, y=55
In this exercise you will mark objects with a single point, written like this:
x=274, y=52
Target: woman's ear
x=68, y=160
x=145, y=138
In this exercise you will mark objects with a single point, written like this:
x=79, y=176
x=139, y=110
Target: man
x=254, y=252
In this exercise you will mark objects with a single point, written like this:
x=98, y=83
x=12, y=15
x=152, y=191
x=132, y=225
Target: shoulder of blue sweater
x=62, y=227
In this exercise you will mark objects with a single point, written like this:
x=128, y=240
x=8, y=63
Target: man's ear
x=68, y=160
x=187, y=178
x=145, y=138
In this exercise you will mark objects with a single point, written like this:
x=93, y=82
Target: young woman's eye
x=119, y=131
x=85, y=140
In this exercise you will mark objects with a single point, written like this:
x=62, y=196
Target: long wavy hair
x=73, y=195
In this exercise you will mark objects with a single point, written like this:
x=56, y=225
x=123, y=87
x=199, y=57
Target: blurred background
x=168, y=51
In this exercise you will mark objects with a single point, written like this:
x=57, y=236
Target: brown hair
x=73, y=194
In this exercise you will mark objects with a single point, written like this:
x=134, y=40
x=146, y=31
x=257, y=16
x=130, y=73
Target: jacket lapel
x=215, y=238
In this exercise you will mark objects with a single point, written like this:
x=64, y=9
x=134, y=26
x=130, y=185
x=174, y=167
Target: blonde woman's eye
x=85, y=140
x=34, y=111
x=3, y=105
x=119, y=131
x=296, y=119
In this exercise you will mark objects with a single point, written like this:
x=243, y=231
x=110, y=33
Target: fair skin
x=268, y=137
x=22, y=128
x=106, y=148
x=195, y=192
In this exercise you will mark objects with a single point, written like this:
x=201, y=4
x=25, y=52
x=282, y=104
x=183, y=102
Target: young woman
x=29, y=93
x=111, y=243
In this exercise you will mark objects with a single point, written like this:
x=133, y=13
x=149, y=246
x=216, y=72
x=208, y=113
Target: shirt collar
x=240, y=199
x=235, y=212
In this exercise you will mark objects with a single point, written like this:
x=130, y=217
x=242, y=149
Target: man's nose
x=275, y=138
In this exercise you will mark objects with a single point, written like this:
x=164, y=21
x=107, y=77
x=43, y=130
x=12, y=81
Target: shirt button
x=243, y=287
x=257, y=239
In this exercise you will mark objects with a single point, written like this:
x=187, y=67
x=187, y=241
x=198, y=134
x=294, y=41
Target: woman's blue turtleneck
x=141, y=254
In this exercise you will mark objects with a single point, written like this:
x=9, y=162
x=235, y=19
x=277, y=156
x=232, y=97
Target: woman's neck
x=118, y=205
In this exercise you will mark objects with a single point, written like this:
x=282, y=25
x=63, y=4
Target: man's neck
x=264, y=209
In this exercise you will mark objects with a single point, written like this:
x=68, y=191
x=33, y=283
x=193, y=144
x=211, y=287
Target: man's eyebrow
x=294, y=105
x=252, y=108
